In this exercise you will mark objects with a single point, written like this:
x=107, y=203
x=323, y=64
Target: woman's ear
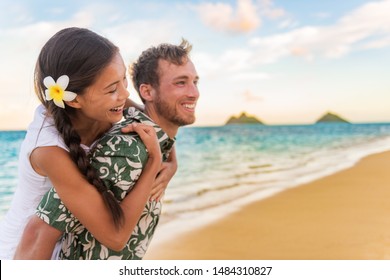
x=74, y=103
x=147, y=92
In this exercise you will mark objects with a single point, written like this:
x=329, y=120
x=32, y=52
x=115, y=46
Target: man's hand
x=168, y=170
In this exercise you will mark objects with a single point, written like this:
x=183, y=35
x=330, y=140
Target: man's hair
x=145, y=69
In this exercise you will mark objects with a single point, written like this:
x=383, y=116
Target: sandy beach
x=345, y=216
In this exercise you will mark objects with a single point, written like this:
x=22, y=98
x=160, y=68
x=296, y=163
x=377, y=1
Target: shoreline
x=340, y=216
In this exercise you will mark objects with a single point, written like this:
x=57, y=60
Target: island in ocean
x=331, y=118
x=243, y=119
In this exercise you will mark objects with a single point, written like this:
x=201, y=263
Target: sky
x=283, y=61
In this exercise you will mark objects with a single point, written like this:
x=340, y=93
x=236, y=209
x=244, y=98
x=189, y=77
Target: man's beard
x=168, y=112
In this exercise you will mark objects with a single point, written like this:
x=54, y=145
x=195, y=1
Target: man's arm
x=168, y=170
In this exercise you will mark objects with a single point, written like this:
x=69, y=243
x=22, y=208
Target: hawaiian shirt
x=119, y=159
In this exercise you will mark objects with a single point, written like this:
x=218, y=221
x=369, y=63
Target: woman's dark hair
x=81, y=55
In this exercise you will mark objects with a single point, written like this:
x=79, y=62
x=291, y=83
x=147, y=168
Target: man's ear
x=74, y=103
x=147, y=92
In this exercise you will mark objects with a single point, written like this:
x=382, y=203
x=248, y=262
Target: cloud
x=20, y=47
x=268, y=9
x=135, y=36
x=25, y=41
x=250, y=97
x=16, y=14
x=377, y=44
x=222, y=17
x=21, y=43
x=367, y=26
x=230, y=61
x=251, y=76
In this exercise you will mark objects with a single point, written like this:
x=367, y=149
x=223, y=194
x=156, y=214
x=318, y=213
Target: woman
x=89, y=96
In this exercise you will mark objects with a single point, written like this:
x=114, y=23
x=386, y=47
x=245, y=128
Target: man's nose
x=193, y=91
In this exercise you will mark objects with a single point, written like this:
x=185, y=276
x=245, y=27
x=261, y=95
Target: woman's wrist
x=153, y=165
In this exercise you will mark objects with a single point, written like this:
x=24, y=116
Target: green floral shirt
x=119, y=159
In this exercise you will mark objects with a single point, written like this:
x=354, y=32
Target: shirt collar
x=132, y=114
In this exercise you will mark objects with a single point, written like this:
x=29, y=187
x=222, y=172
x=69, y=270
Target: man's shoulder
x=117, y=143
x=120, y=143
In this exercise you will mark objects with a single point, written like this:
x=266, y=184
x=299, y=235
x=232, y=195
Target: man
x=166, y=81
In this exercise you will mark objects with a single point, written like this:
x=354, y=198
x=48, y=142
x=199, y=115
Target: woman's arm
x=86, y=203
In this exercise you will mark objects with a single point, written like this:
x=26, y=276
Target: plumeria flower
x=56, y=90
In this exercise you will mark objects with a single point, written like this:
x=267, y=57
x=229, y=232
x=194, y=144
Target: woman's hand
x=149, y=138
x=168, y=170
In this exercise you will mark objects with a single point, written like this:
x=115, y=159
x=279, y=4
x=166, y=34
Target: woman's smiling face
x=104, y=100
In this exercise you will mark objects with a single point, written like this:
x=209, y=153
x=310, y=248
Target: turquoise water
x=218, y=165
x=224, y=164
x=10, y=142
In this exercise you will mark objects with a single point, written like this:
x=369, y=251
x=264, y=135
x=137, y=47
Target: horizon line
x=255, y=124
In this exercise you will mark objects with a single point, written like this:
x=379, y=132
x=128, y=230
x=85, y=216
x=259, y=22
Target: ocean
x=10, y=142
x=233, y=165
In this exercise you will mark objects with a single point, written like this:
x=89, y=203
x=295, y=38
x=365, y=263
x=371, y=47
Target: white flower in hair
x=56, y=91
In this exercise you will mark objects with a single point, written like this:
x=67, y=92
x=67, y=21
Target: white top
x=31, y=186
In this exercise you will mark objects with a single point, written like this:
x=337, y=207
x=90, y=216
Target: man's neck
x=167, y=127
